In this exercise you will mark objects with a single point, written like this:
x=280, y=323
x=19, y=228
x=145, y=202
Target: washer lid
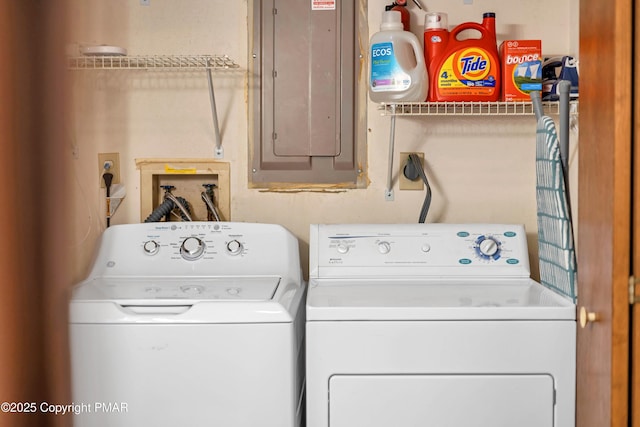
x=420, y=300
x=149, y=290
x=179, y=300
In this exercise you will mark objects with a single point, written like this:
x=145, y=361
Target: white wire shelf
x=160, y=62
x=513, y=108
x=167, y=63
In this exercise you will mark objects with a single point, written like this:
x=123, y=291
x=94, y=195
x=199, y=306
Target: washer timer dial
x=192, y=248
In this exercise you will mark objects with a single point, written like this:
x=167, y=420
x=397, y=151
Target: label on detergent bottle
x=386, y=73
x=467, y=72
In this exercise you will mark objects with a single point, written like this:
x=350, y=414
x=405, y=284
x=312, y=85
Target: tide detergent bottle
x=397, y=72
x=462, y=69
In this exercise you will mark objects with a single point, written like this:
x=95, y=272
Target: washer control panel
x=418, y=249
x=196, y=248
x=193, y=242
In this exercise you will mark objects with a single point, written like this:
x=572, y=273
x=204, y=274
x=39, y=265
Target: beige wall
x=481, y=168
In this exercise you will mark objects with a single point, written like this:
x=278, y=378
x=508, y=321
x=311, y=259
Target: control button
x=425, y=247
x=343, y=248
x=151, y=247
x=234, y=247
x=233, y=291
x=192, y=248
x=384, y=247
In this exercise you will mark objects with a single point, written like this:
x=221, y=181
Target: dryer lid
x=526, y=299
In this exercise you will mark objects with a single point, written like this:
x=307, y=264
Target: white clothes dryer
x=190, y=324
x=419, y=325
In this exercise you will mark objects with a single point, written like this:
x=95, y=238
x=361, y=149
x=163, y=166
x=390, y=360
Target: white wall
x=481, y=168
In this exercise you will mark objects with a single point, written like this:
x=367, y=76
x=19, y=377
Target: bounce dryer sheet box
x=521, y=62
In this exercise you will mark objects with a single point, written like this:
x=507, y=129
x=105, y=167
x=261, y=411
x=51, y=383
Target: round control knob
x=487, y=247
x=192, y=248
x=343, y=248
x=384, y=247
x=151, y=247
x=234, y=247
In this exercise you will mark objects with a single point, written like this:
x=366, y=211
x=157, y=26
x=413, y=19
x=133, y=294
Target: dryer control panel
x=370, y=250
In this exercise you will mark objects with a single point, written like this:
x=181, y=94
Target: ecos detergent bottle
x=462, y=69
x=397, y=72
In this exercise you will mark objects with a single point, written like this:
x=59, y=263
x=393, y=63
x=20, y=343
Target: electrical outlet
x=406, y=184
x=109, y=162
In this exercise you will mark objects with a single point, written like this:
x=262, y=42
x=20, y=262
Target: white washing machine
x=190, y=324
x=414, y=325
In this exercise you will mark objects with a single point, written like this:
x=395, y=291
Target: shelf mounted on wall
x=164, y=63
x=471, y=108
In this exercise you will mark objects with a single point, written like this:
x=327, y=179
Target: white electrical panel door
x=441, y=400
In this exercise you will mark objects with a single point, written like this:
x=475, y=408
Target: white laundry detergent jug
x=397, y=72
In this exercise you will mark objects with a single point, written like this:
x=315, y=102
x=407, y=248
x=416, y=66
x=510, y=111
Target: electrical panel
x=306, y=100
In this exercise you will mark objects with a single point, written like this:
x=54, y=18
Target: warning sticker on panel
x=323, y=4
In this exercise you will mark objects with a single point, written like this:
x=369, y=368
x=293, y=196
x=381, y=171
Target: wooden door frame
x=34, y=220
x=635, y=251
x=604, y=211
